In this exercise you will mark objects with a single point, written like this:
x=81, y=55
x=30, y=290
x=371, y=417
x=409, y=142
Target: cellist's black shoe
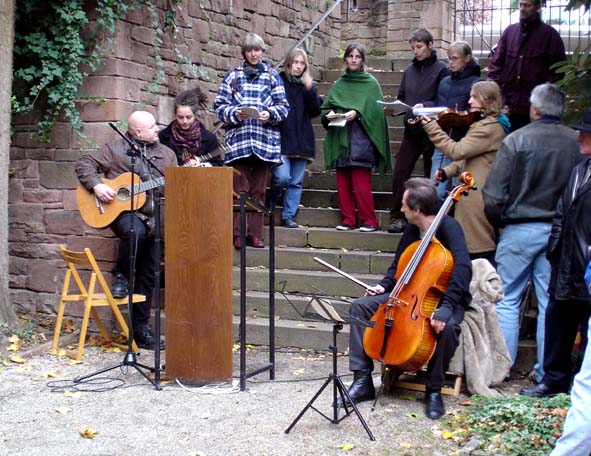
x=361, y=389
x=434, y=407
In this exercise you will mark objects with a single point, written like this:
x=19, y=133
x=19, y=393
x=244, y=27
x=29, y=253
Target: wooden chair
x=90, y=297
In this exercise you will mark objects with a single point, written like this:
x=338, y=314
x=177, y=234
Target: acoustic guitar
x=98, y=214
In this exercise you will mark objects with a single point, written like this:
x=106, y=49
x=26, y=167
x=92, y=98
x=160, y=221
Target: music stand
x=327, y=312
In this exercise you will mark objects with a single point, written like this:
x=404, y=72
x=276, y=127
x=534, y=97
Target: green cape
x=358, y=91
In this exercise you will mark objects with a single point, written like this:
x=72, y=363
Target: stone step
x=329, y=238
x=296, y=307
x=328, y=181
x=326, y=217
x=329, y=198
x=383, y=77
x=302, y=259
x=305, y=282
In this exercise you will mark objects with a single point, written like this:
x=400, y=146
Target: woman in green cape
x=358, y=145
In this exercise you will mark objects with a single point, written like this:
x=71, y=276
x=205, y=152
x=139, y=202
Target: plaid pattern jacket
x=266, y=93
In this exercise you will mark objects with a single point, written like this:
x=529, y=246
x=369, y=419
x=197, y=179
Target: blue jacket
x=454, y=92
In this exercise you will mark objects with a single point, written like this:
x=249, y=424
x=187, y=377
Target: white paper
x=428, y=111
x=253, y=113
x=336, y=120
x=397, y=106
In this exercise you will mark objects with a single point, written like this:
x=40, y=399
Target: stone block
x=23, y=169
x=103, y=249
x=57, y=175
x=63, y=222
x=18, y=266
x=100, y=133
x=106, y=111
x=42, y=196
x=30, y=249
x=26, y=216
x=15, y=190
x=69, y=200
x=113, y=87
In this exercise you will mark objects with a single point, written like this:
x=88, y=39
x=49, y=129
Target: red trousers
x=354, y=190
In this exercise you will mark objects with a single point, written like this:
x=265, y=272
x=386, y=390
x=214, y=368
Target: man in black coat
x=569, y=250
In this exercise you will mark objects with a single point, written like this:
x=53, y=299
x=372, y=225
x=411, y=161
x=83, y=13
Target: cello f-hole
x=415, y=301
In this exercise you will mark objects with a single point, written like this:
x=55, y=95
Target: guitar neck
x=148, y=185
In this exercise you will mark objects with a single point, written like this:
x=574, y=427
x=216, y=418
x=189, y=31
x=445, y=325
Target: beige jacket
x=474, y=153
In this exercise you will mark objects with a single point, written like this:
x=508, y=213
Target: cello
x=402, y=336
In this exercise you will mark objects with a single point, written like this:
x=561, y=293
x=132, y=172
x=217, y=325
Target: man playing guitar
x=111, y=161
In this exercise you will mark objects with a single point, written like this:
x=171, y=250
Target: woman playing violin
x=474, y=153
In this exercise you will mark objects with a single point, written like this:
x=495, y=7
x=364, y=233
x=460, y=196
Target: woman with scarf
x=474, y=153
x=358, y=146
x=298, y=145
x=251, y=103
x=192, y=143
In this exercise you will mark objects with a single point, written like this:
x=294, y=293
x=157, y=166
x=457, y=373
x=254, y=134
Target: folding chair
x=91, y=299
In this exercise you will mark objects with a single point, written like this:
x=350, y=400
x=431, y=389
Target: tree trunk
x=7, y=314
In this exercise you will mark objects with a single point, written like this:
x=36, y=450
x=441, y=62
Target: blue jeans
x=289, y=176
x=521, y=256
x=576, y=435
x=438, y=161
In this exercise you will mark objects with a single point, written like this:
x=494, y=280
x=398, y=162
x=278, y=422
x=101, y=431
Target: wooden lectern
x=198, y=271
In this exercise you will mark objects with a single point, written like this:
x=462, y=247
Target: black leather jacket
x=570, y=239
x=529, y=173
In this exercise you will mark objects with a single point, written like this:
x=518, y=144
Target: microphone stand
x=130, y=357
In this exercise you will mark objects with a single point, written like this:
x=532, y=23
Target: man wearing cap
x=524, y=184
x=568, y=252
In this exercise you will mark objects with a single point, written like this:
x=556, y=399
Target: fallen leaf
x=53, y=374
x=14, y=339
x=88, y=433
x=73, y=362
x=447, y=434
x=63, y=410
x=406, y=445
x=298, y=371
x=466, y=403
x=69, y=326
x=346, y=446
x=17, y=359
x=74, y=395
x=23, y=369
x=410, y=415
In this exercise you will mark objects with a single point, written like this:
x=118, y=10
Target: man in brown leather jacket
x=110, y=161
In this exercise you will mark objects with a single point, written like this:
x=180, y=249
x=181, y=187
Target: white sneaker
x=344, y=227
x=367, y=228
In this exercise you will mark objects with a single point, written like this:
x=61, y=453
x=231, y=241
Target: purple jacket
x=522, y=60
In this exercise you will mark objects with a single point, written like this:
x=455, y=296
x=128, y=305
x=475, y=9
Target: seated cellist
x=420, y=205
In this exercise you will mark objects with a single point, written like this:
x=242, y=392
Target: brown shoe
x=255, y=242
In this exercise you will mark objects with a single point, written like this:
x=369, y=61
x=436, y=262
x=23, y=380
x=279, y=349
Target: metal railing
x=481, y=22
x=314, y=26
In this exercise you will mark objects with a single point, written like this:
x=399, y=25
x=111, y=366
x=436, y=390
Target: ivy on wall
x=59, y=43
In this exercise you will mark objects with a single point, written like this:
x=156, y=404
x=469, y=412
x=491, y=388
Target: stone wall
x=42, y=203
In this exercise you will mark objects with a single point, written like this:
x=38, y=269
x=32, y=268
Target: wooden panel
x=198, y=288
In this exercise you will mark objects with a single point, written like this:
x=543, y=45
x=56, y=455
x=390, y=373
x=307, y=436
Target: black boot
x=120, y=286
x=362, y=388
x=434, y=407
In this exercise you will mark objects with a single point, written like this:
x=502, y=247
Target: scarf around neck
x=188, y=141
x=359, y=91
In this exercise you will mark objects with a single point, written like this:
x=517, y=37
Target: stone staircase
x=298, y=277
x=366, y=256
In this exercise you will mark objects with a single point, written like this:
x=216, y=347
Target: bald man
x=110, y=161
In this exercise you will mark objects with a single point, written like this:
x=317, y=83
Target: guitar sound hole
x=123, y=193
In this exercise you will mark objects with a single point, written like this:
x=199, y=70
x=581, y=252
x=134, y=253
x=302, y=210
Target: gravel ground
x=137, y=419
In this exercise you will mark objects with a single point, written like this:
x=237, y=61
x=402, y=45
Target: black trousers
x=411, y=148
x=562, y=323
x=447, y=341
x=145, y=262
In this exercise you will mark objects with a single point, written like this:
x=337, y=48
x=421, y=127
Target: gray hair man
x=529, y=173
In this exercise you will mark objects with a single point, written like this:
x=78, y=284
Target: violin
x=402, y=336
x=452, y=118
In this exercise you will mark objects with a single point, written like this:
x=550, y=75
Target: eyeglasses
x=454, y=58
